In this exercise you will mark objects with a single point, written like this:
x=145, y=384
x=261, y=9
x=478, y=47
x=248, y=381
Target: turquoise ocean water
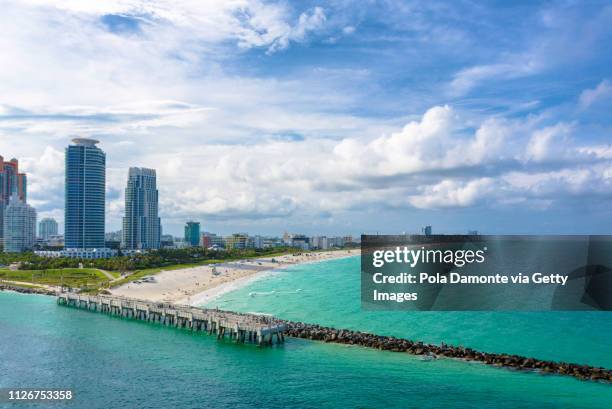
x=115, y=363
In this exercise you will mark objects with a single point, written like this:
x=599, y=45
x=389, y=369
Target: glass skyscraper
x=85, y=195
x=141, y=224
x=192, y=233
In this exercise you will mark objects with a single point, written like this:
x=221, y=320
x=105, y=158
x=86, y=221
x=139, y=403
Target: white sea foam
x=216, y=292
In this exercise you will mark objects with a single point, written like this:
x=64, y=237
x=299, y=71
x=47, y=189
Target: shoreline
x=222, y=289
x=201, y=284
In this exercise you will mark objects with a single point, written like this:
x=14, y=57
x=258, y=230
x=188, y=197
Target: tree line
x=152, y=259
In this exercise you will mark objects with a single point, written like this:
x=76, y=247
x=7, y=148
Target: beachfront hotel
x=85, y=195
x=141, y=224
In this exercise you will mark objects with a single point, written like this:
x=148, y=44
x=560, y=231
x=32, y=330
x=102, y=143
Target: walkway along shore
x=239, y=325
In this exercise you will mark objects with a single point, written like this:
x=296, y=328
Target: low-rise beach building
x=238, y=241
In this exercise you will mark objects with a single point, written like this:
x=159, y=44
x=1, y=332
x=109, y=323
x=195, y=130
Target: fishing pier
x=242, y=328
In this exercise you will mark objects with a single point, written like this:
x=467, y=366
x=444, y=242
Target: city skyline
x=322, y=118
x=381, y=203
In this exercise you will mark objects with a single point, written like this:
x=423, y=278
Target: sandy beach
x=199, y=285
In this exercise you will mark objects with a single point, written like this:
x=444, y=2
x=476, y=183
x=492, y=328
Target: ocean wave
x=273, y=292
x=264, y=293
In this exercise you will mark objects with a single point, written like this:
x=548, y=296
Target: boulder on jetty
x=343, y=336
x=25, y=290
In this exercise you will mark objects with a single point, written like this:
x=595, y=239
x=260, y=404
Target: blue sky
x=333, y=117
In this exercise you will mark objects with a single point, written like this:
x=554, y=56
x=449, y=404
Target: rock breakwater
x=25, y=290
x=385, y=343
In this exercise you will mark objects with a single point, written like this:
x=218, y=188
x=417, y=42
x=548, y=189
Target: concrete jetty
x=257, y=329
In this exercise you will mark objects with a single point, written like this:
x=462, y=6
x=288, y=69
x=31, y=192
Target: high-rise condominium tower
x=46, y=228
x=19, y=226
x=11, y=182
x=192, y=234
x=141, y=224
x=85, y=195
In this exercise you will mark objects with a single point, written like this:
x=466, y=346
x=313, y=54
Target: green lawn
x=115, y=274
x=71, y=277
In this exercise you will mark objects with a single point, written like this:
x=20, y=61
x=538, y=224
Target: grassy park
x=70, y=277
